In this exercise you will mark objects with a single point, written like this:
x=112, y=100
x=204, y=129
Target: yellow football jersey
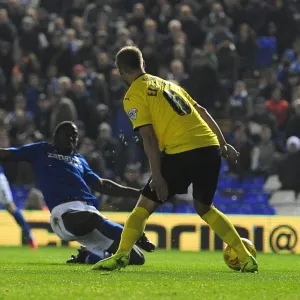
x=170, y=110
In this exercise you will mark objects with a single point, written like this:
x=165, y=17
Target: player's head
x=130, y=63
x=66, y=137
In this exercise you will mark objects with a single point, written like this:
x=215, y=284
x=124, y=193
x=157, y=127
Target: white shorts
x=95, y=241
x=5, y=192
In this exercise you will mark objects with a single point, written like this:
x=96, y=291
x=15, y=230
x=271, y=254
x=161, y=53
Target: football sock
x=111, y=230
x=93, y=258
x=23, y=224
x=133, y=229
x=223, y=227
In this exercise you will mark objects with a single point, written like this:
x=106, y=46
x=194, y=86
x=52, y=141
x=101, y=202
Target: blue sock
x=93, y=258
x=23, y=224
x=111, y=230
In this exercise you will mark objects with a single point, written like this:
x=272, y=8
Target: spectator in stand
x=131, y=177
x=164, y=16
x=138, y=16
x=293, y=125
x=243, y=145
x=267, y=83
x=246, y=48
x=151, y=34
x=86, y=51
x=64, y=110
x=179, y=53
x=264, y=153
x=8, y=39
x=149, y=53
x=228, y=66
x=174, y=36
x=289, y=166
x=32, y=92
x=178, y=73
x=11, y=90
x=94, y=158
x=239, y=104
x=43, y=115
x=20, y=119
x=216, y=19
x=261, y=116
x=190, y=26
x=282, y=14
x=82, y=102
x=278, y=107
x=109, y=147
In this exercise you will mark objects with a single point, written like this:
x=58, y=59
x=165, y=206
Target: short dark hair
x=129, y=59
x=61, y=126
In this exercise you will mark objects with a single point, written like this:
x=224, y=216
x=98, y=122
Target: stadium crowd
x=238, y=58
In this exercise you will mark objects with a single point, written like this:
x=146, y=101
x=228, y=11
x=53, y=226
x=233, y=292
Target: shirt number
x=179, y=105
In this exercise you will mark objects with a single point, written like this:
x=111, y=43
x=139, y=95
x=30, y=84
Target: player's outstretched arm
x=211, y=123
x=153, y=152
x=227, y=150
x=5, y=155
x=111, y=188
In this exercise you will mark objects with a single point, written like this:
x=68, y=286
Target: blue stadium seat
x=185, y=209
x=263, y=209
x=20, y=195
x=266, y=50
x=256, y=199
x=165, y=208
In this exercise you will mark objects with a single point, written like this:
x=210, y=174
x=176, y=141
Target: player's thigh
x=175, y=172
x=80, y=223
x=205, y=174
x=5, y=192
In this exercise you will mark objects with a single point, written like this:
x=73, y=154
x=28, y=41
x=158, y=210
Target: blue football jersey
x=61, y=178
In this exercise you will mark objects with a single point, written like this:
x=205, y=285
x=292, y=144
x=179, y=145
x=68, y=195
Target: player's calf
x=18, y=216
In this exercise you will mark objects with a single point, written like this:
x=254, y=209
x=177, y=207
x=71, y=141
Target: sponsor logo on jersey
x=132, y=113
x=148, y=78
x=73, y=160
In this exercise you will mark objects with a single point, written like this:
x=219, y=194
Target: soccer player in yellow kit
x=184, y=146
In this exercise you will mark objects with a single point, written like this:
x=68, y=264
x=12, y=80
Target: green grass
x=43, y=274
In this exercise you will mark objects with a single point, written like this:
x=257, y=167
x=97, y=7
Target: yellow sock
x=133, y=229
x=223, y=227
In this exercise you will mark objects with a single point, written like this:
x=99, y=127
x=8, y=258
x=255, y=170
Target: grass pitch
x=43, y=274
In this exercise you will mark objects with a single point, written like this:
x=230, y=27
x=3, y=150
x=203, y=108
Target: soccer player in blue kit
x=6, y=200
x=65, y=179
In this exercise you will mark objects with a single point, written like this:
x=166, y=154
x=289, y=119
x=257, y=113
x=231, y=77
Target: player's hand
x=230, y=154
x=159, y=185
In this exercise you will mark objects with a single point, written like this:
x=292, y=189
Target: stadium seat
x=20, y=195
x=185, y=209
x=272, y=184
x=262, y=209
x=288, y=210
x=283, y=198
x=256, y=199
x=165, y=208
x=266, y=50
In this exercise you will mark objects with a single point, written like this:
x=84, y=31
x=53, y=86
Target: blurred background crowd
x=238, y=58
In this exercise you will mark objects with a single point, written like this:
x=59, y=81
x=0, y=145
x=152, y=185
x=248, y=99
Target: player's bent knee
x=201, y=208
x=147, y=203
x=80, y=223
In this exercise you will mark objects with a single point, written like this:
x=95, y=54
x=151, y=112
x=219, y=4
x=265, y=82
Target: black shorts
x=199, y=167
